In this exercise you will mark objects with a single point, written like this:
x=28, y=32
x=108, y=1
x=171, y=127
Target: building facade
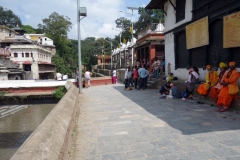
x=195, y=33
x=34, y=60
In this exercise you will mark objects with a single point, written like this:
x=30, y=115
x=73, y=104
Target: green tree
x=56, y=27
x=8, y=18
x=29, y=29
x=148, y=17
x=124, y=25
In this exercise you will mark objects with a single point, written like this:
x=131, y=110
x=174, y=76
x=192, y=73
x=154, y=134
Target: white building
x=43, y=41
x=33, y=59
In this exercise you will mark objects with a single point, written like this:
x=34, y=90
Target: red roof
x=15, y=62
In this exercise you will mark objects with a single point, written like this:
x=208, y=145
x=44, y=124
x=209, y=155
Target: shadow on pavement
x=188, y=116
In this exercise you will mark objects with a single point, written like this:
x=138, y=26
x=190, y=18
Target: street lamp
x=132, y=8
x=81, y=11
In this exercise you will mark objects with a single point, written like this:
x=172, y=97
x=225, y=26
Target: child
x=165, y=89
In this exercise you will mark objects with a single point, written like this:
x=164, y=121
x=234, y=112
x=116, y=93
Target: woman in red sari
x=230, y=78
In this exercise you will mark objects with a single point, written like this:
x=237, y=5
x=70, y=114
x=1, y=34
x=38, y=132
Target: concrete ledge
x=51, y=139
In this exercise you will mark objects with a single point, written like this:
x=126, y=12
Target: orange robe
x=217, y=88
x=211, y=77
x=225, y=99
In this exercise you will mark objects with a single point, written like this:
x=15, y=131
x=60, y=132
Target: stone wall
x=52, y=138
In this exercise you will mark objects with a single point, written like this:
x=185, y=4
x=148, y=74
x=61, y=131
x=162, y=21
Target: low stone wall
x=52, y=138
x=121, y=74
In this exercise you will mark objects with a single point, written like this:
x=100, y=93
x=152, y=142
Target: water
x=16, y=128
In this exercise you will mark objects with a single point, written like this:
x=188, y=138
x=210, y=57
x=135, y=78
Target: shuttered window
x=181, y=55
x=180, y=10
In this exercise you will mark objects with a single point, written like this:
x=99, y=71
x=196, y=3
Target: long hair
x=196, y=69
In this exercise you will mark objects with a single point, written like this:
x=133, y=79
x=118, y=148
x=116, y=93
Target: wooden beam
x=172, y=5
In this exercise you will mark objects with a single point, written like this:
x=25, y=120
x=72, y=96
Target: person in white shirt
x=65, y=77
x=87, y=76
x=114, y=76
x=59, y=76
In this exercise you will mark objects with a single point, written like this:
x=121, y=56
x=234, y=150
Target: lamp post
x=132, y=8
x=81, y=11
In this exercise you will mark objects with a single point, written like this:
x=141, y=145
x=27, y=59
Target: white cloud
x=101, y=14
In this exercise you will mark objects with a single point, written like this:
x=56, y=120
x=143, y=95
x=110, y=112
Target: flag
x=124, y=41
x=130, y=30
x=118, y=45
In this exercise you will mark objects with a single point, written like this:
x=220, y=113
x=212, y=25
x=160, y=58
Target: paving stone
x=116, y=124
x=200, y=155
x=135, y=154
x=225, y=152
x=115, y=156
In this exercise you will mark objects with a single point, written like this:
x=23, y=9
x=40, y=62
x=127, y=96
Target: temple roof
x=156, y=4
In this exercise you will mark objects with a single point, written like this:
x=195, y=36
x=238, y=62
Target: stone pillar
x=34, y=68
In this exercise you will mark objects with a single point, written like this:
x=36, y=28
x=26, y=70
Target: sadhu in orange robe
x=224, y=98
x=211, y=77
x=217, y=88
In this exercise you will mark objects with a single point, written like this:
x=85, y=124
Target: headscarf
x=222, y=65
x=209, y=67
x=232, y=63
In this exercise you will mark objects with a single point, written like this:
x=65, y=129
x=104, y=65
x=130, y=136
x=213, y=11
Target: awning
x=156, y=4
x=27, y=62
x=45, y=71
x=47, y=63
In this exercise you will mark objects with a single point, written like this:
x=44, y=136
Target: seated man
x=174, y=92
x=165, y=89
x=211, y=79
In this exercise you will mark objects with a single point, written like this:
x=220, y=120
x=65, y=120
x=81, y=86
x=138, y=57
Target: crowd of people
x=221, y=87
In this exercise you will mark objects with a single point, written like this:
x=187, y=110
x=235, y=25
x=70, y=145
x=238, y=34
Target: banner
x=197, y=33
x=231, y=30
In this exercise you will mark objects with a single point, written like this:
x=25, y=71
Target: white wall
x=3, y=76
x=170, y=18
x=4, y=32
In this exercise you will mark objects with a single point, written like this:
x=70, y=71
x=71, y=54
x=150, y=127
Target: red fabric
x=201, y=90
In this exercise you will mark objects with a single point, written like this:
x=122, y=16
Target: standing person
x=163, y=65
x=230, y=87
x=59, y=76
x=142, y=74
x=114, y=76
x=211, y=79
x=135, y=76
x=217, y=87
x=126, y=78
x=193, y=79
x=130, y=79
x=87, y=76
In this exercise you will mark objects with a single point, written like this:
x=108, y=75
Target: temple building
x=198, y=33
x=33, y=57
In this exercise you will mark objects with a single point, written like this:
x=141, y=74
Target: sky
x=101, y=14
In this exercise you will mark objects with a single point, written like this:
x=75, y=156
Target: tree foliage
x=148, y=17
x=8, y=18
x=29, y=29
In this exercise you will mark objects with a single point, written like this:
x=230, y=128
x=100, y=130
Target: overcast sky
x=101, y=14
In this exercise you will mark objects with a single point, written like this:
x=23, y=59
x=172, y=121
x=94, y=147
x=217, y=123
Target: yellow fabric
x=222, y=65
x=233, y=89
x=170, y=78
x=212, y=77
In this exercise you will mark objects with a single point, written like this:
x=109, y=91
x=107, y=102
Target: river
x=16, y=128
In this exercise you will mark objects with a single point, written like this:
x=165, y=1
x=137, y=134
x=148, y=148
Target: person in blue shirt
x=143, y=75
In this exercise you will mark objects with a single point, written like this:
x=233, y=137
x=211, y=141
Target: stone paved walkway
x=136, y=125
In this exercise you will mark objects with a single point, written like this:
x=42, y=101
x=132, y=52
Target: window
x=45, y=39
x=31, y=54
x=26, y=54
x=15, y=55
x=180, y=10
x=22, y=54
